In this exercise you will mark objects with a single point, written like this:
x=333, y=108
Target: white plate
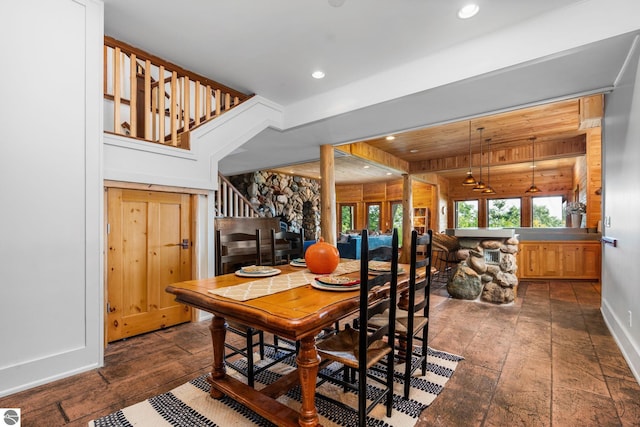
x=267, y=273
x=324, y=287
x=298, y=263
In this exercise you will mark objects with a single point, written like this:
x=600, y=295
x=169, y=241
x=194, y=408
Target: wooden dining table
x=297, y=314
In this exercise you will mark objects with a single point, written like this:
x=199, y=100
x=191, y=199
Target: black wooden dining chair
x=412, y=324
x=234, y=250
x=381, y=253
x=286, y=246
x=360, y=350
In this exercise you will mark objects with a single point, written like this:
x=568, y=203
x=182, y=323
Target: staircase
x=154, y=100
x=149, y=99
x=231, y=203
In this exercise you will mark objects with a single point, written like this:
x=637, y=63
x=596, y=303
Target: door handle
x=184, y=244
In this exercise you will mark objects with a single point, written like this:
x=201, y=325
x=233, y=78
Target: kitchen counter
x=551, y=234
x=526, y=234
x=493, y=233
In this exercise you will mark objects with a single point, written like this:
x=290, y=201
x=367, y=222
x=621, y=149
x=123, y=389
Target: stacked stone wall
x=476, y=278
x=295, y=200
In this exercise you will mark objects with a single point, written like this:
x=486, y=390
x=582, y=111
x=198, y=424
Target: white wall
x=51, y=190
x=138, y=161
x=621, y=201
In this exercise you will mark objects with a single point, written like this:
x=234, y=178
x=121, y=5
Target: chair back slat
x=237, y=249
x=285, y=246
x=367, y=346
x=419, y=285
x=369, y=286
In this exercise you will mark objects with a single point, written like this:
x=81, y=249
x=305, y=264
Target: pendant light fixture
x=480, y=185
x=488, y=189
x=469, y=181
x=533, y=188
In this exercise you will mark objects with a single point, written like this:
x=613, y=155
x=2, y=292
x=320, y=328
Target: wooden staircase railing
x=230, y=202
x=168, y=100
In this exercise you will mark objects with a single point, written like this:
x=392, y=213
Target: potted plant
x=576, y=209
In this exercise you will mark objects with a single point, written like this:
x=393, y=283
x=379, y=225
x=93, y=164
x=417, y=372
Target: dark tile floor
x=547, y=359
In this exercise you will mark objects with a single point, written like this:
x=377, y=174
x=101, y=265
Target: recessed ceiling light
x=390, y=138
x=389, y=173
x=318, y=74
x=468, y=11
x=366, y=167
x=413, y=151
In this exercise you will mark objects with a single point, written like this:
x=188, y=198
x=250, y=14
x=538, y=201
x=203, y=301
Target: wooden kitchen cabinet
x=559, y=260
x=572, y=262
x=592, y=260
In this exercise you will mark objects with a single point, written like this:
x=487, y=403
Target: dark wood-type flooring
x=547, y=359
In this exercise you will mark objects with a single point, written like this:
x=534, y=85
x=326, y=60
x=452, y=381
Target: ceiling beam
x=545, y=150
x=375, y=155
x=591, y=111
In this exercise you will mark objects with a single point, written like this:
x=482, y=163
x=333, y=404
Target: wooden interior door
x=149, y=248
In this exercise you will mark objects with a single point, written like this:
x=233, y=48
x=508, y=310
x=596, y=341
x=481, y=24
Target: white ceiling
x=391, y=65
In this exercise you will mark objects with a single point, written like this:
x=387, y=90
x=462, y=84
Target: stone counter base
x=488, y=270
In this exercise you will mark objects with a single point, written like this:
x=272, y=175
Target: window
x=396, y=219
x=504, y=213
x=373, y=217
x=467, y=214
x=547, y=212
x=347, y=215
x=396, y=216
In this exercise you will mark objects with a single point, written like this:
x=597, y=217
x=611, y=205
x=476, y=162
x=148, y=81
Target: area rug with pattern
x=190, y=405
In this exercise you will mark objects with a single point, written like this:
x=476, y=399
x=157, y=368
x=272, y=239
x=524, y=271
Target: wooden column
x=407, y=218
x=328, y=223
x=594, y=177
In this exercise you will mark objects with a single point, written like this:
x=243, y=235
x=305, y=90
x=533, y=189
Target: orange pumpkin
x=321, y=257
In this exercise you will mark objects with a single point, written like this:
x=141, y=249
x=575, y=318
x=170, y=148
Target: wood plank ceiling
x=559, y=129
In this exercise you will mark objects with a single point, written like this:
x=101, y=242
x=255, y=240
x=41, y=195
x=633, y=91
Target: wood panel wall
x=587, y=176
x=385, y=193
x=594, y=177
x=557, y=182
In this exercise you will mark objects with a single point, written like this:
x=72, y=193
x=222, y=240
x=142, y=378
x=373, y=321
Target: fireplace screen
x=492, y=256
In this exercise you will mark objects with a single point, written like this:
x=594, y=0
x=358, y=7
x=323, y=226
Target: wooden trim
x=501, y=155
x=373, y=154
x=153, y=187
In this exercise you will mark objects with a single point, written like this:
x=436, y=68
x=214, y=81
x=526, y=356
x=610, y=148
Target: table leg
x=218, y=329
x=308, y=362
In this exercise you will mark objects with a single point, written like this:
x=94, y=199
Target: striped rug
x=189, y=405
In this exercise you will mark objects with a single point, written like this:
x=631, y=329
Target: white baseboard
x=629, y=349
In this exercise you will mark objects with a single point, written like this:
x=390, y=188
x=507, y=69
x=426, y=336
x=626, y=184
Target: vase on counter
x=576, y=220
